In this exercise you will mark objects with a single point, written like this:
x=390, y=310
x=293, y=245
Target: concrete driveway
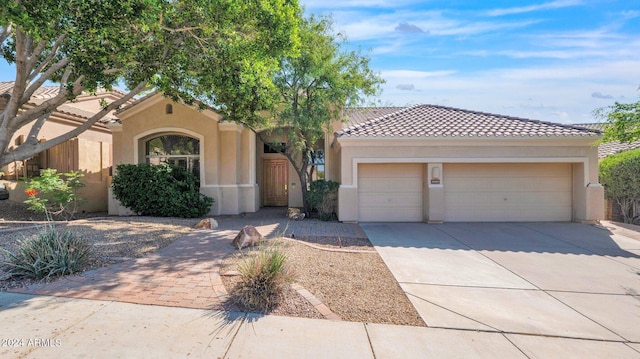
x=563, y=280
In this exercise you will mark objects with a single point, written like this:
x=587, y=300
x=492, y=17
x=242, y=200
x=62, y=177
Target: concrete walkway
x=50, y=327
x=562, y=280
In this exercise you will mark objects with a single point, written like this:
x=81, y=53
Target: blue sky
x=553, y=61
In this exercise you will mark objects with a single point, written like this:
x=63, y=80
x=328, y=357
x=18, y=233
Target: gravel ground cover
x=355, y=285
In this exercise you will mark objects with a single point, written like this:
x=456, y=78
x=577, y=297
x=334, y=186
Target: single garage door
x=507, y=192
x=390, y=192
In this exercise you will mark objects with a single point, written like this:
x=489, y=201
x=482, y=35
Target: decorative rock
x=207, y=223
x=297, y=216
x=292, y=211
x=248, y=236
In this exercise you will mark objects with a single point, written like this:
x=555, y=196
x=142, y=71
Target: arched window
x=168, y=109
x=177, y=150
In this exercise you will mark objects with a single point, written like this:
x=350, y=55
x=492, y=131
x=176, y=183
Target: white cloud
x=324, y=4
x=408, y=28
x=406, y=87
x=364, y=26
x=410, y=74
x=524, y=9
x=601, y=95
x=550, y=93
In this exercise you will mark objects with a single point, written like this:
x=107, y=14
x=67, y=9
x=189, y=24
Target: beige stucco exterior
x=587, y=194
x=227, y=150
x=89, y=153
x=232, y=160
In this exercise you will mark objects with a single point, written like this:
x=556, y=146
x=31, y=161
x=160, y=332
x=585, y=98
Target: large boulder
x=295, y=214
x=207, y=223
x=248, y=236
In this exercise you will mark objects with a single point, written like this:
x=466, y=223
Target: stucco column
x=230, y=166
x=435, y=181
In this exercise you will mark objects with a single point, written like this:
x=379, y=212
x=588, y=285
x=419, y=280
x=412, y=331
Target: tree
x=184, y=49
x=311, y=90
x=619, y=175
x=622, y=122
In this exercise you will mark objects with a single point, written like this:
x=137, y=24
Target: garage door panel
x=390, y=192
x=499, y=184
x=396, y=201
x=388, y=185
x=508, y=192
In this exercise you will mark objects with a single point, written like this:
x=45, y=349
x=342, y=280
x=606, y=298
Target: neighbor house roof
x=446, y=122
x=43, y=92
x=609, y=148
x=46, y=92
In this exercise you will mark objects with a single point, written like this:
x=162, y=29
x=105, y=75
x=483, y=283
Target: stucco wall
x=227, y=153
x=587, y=193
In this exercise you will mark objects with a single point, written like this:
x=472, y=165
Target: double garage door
x=476, y=192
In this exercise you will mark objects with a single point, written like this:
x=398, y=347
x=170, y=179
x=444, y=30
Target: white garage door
x=390, y=192
x=507, y=192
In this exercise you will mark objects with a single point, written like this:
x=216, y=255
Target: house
x=89, y=153
x=412, y=164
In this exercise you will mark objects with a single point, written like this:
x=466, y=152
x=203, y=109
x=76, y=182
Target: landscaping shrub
x=322, y=196
x=620, y=176
x=160, y=190
x=262, y=280
x=55, y=194
x=49, y=253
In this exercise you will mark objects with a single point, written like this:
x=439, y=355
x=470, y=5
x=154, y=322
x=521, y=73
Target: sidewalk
x=49, y=327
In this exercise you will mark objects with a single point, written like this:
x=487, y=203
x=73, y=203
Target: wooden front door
x=274, y=182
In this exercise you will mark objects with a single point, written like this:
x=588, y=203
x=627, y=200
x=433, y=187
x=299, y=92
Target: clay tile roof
x=44, y=92
x=609, y=148
x=446, y=122
x=359, y=115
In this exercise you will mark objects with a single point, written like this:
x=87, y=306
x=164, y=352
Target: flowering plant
x=54, y=195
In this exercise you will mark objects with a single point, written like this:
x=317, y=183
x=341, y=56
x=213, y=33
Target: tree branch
x=6, y=32
x=51, y=56
x=29, y=149
x=43, y=78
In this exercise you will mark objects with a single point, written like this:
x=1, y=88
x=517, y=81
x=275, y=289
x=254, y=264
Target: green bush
x=620, y=176
x=55, y=194
x=262, y=280
x=50, y=253
x=160, y=190
x=322, y=196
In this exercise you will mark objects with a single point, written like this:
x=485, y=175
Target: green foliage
x=623, y=122
x=314, y=87
x=160, y=190
x=620, y=176
x=262, y=279
x=322, y=195
x=49, y=253
x=214, y=52
x=54, y=193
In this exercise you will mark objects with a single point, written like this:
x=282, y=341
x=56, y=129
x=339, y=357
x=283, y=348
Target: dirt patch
x=356, y=286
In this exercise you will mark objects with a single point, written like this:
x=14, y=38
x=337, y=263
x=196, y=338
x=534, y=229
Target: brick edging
x=329, y=249
x=320, y=307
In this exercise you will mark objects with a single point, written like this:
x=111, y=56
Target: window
x=176, y=150
x=316, y=163
x=168, y=109
x=279, y=147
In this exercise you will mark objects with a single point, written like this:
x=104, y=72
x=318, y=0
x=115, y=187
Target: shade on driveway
x=555, y=279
